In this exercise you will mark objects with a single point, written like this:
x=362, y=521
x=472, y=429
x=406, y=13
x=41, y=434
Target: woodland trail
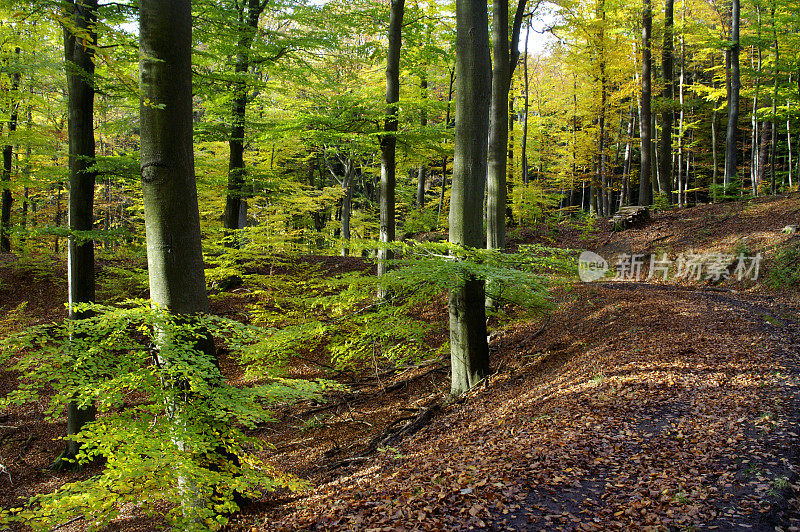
x=744, y=498
x=639, y=407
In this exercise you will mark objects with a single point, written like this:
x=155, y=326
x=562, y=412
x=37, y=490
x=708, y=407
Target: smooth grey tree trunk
x=645, y=194
x=172, y=220
x=79, y=62
x=469, y=351
x=169, y=192
x=506, y=56
x=389, y=138
x=733, y=99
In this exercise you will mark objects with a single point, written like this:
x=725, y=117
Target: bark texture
x=645, y=193
x=469, y=351
x=733, y=98
x=79, y=63
x=172, y=220
x=506, y=56
x=389, y=138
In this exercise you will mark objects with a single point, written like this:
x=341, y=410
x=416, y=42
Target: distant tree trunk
x=389, y=139
x=624, y=195
x=715, y=164
x=444, y=159
x=57, y=216
x=524, y=147
x=789, y=133
x=668, y=95
x=79, y=58
x=763, y=150
x=645, y=196
x=733, y=101
x=8, y=155
x=423, y=121
x=249, y=12
x=505, y=61
x=774, y=119
x=754, y=152
x=469, y=351
x=510, y=161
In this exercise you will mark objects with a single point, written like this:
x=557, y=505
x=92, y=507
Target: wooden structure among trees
x=629, y=216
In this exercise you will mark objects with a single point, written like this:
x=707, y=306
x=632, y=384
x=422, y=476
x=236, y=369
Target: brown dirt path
x=639, y=407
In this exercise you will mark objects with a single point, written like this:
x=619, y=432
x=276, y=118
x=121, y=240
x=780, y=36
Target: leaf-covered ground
x=637, y=406
x=633, y=406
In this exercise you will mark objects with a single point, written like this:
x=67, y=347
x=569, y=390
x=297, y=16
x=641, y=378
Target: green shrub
x=662, y=201
x=420, y=221
x=784, y=272
x=170, y=429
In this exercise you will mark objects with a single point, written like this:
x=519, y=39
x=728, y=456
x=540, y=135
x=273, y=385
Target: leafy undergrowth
x=635, y=406
x=632, y=406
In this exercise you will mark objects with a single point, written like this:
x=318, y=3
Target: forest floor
x=632, y=405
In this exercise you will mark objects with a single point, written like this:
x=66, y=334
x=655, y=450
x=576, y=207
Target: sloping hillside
x=633, y=406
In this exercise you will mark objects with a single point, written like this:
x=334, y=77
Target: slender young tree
x=249, y=12
x=506, y=57
x=469, y=351
x=645, y=192
x=733, y=98
x=423, y=121
x=389, y=138
x=80, y=40
x=8, y=155
x=667, y=97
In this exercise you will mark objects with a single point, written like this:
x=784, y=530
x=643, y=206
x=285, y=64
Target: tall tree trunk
x=172, y=220
x=79, y=57
x=389, y=139
x=733, y=101
x=599, y=200
x=444, y=159
x=505, y=61
x=774, y=119
x=469, y=351
x=235, y=202
x=524, y=147
x=423, y=121
x=667, y=96
x=8, y=155
x=681, y=82
x=645, y=195
x=169, y=192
